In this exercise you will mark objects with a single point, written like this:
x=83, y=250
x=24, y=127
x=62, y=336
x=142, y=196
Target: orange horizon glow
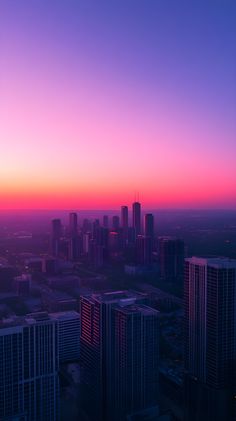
x=85, y=125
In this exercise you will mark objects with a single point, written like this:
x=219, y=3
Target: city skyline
x=100, y=100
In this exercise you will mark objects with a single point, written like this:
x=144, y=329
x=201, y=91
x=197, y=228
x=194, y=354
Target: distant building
x=105, y=221
x=171, y=258
x=149, y=225
x=115, y=222
x=29, y=388
x=73, y=246
x=143, y=247
x=119, y=354
x=56, y=234
x=136, y=207
x=125, y=224
x=124, y=217
x=73, y=224
x=96, y=254
x=210, y=337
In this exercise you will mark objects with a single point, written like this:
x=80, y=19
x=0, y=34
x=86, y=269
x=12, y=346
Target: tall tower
x=171, y=258
x=125, y=224
x=55, y=236
x=73, y=224
x=119, y=336
x=136, y=207
x=210, y=339
x=124, y=217
x=149, y=225
x=73, y=236
x=115, y=222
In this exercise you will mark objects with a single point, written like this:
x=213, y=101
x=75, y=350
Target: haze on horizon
x=102, y=99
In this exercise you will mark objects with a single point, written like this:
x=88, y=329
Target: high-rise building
x=68, y=323
x=105, y=221
x=29, y=369
x=73, y=224
x=125, y=224
x=171, y=258
x=136, y=207
x=124, y=217
x=115, y=222
x=119, y=354
x=56, y=234
x=135, y=385
x=74, y=248
x=210, y=339
x=143, y=250
x=149, y=225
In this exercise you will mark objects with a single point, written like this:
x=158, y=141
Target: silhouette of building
x=105, y=221
x=143, y=248
x=29, y=368
x=115, y=222
x=124, y=217
x=171, y=258
x=56, y=236
x=73, y=246
x=136, y=207
x=119, y=354
x=73, y=224
x=125, y=224
x=149, y=225
x=210, y=337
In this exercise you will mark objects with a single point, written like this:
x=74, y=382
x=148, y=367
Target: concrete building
x=29, y=369
x=119, y=354
x=68, y=335
x=210, y=339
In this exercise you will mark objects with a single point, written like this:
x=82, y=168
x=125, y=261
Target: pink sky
x=76, y=133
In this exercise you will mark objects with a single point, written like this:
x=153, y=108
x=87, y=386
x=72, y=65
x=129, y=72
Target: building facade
x=210, y=339
x=29, y=389
x=119, y=354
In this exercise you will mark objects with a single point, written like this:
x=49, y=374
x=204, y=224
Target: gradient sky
x=99, y=99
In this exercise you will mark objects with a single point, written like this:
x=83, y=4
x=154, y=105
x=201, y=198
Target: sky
x=102, y=99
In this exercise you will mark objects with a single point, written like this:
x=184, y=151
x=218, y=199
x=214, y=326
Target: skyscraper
x=136, y=207
x=124, y=217
x=29, y=369
x=73, y=236
x=143, y=250
x=171, y=258
x=149, y=225
x=55, y=236
x=68, y=323
x=73, y=224
x=125, y=224
x=105, y=222
x=115, y=222
x=210, y=338
x=119, y=354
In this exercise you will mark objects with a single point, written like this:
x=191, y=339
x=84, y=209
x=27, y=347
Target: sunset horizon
x=99, y=102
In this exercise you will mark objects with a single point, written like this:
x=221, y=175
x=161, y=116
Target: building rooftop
x=137, y=308
x=37, y=317
x=216, y=262
x=65, y=315
x=122, y=297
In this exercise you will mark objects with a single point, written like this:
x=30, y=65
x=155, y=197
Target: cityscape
x=117, y=210
x=105, y=319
